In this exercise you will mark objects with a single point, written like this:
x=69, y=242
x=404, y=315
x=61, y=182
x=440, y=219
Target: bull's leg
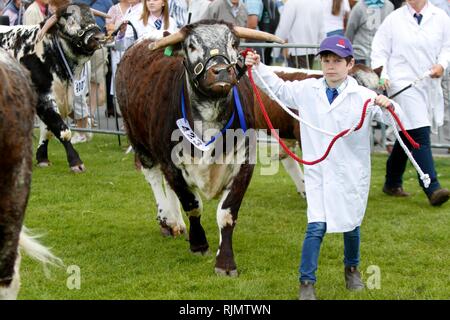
x=227, y=213
x=295, y=172
x=197, y=237
x=42, y=150
x=169, y=214
x=11, y=290
x=47, y=112
x=192, y=205
x=15, y=183
x=293, y=168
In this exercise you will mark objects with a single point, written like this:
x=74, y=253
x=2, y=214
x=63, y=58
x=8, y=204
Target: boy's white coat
x=336, y=188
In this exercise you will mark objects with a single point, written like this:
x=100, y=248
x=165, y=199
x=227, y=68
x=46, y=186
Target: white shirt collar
x=341, y=87
x=422, y=12
x=234, y=9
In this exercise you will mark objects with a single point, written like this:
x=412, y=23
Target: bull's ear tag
x=80, y=85
x=168, y=51
x=214, y=52
x=189, y=134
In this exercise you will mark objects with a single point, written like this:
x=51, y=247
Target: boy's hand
x=383, y=101
x=252, y=59
x=436, y=71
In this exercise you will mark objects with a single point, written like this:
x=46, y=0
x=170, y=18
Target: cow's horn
x=167, y=41
x=100, y=14
x=47, y=25
x=247, y=33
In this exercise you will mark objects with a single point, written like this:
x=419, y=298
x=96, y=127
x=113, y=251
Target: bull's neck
x=64, y=59
x=20, y=41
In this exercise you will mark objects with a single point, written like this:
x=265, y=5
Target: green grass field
x=104, y=223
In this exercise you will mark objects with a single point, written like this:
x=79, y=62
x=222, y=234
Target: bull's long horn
x=247, y=33
x=167, y=41
x=100, y=14
x=47, y=25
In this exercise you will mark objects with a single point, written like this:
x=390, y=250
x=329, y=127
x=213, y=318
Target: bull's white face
x=216, y=41
x=78, y=23
x=210, y=37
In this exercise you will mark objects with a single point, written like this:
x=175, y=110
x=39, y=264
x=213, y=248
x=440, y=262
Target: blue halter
x=238, y=106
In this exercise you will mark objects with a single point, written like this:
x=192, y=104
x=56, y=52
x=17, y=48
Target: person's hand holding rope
x=252, y=59
x=383, y=101
x=436, y=71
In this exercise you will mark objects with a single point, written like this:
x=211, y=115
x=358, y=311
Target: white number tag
x=79, y=86
x=189, y=134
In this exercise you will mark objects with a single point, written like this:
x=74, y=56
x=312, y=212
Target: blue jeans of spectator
x=339, y=32
x=311, y=249
x=396, y=163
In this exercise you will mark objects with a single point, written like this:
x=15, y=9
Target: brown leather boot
x=439, y=196
x=395, y=191
x=353, y=279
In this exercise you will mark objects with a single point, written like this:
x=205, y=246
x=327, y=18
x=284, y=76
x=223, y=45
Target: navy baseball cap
x=338, y=45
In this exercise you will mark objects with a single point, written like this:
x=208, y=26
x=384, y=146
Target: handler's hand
x=383, y=101
x=123, y=27
x=436, y=71
x=252, y=59
x=383, y=84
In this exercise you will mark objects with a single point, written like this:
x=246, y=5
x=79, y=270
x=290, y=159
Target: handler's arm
x=382, y=47
x=444, y=55
x=289, y=92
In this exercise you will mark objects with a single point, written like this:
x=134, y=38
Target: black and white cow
x=149, y=85
x=17, y=109
x=53, y=52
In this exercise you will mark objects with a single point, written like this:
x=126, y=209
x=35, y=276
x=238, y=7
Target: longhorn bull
x=55, y=52
x=150, y=86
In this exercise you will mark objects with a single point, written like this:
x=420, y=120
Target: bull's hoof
x=78, y=168
x=200, y=249
x=44, y=164
x=202, y=253
x=174, y=232
x=228, y=273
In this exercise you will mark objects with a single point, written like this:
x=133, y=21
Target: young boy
x=337, y=188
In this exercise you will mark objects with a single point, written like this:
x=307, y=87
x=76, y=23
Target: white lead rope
x=285, y=108
x=425, y=177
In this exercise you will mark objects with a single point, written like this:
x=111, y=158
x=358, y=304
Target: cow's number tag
x=79, y=86
x=189, y=134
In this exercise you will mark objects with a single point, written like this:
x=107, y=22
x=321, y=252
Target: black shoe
x=353, y=279
x=109, y=114
x=395, y=191
x=307, y=291
x=439, y=196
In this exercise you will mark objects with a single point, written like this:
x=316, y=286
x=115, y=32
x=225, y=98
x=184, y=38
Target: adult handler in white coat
x=413, y=39
x=337, y=188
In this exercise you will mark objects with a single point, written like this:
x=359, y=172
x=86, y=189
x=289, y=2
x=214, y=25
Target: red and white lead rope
x=392, y=116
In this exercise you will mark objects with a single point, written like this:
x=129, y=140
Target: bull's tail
x=37, y=251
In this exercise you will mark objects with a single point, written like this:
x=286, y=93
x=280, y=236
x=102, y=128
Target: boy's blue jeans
x=311, y=249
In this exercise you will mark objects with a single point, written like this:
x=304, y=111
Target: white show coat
x=406, y=50
x=337, y=188
x=301, y=23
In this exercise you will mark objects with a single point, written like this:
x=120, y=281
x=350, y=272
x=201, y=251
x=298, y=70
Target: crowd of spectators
x=296, y=21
